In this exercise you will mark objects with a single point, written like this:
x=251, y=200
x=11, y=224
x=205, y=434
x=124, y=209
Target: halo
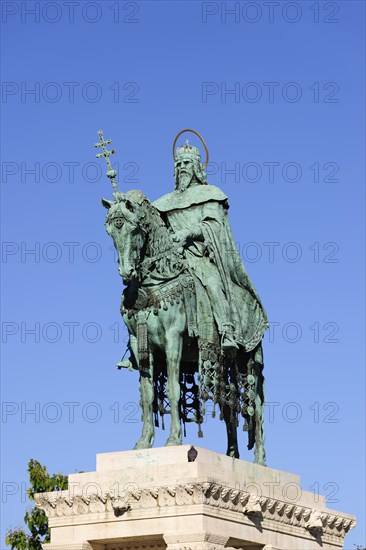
x=198, y=135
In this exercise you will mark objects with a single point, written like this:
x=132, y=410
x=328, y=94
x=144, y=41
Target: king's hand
x=181, y=236
x=184, y=235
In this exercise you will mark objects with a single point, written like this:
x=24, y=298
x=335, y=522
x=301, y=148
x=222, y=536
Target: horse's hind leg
x=232, y=439
x=259, y=453
x=147, y=397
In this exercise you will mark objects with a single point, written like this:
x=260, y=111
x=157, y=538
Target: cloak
x=206, y=206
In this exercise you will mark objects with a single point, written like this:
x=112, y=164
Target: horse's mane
x=151, y=222
x=159, y=248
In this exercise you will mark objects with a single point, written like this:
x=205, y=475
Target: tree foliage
x=35, y=519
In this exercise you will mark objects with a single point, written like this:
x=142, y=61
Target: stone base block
x=156, y=499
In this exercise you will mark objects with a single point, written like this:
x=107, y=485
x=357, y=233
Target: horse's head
x=124, y=225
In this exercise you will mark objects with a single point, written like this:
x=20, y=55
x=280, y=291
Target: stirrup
x=125, y=365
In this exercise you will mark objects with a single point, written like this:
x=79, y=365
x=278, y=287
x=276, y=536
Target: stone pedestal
x=157, y=499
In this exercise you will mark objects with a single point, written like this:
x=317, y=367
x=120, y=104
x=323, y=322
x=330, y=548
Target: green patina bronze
x=194, y=319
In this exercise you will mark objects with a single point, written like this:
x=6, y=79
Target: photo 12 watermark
x=272, y=92
x=36, y=92
x=68, y=171
x=274, y=172
x=249, y=12
x=73, y=12
x=290, y=491
x=91, y=252
x=92, y=412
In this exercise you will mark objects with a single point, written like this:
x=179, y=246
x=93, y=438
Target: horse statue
x=194, y=320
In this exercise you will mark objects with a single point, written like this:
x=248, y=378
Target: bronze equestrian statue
x=194, y=319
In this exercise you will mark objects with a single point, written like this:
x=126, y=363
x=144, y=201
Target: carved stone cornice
x=135, y=546
x=317, y=522
x=212, y=538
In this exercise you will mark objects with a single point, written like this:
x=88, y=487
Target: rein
x=145, y=265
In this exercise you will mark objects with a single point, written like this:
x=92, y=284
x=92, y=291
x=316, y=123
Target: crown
x=187, y=152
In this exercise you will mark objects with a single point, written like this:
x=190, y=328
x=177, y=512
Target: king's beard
x=184, y=181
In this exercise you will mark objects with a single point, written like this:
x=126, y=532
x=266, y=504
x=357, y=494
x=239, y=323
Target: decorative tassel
x=142, y=340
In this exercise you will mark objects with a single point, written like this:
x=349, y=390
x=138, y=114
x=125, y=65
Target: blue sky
x=277, y=92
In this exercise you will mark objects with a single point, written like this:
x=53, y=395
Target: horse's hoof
x=173, y=440
x=144, y=443
x=260, y=459
x=234, y=453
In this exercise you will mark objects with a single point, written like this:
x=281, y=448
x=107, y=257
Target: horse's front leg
x=147, y=397
x=174, y=345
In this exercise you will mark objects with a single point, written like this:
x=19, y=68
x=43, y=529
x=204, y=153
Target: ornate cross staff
x=111, y=173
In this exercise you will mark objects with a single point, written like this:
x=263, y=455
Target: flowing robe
x=201, y=211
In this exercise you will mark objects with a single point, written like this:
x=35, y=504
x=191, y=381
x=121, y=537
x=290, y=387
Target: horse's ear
x=129, y=205
x=107, y=204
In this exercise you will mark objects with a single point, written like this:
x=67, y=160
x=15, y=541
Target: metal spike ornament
x=111, y=173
